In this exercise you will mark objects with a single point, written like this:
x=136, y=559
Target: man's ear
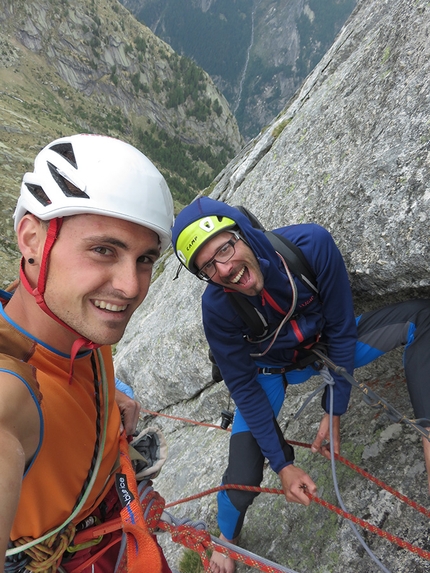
x=31, y=235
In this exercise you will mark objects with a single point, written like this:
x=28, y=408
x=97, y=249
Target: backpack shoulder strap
x=250, y=315
x=294, y=258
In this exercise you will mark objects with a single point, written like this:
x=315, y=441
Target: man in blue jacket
x=218, y=244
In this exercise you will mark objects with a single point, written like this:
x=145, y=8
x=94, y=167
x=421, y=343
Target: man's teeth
x=108, y=306
x=238, y=276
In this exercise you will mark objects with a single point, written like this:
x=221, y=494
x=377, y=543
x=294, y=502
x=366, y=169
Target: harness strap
x=311, y=358
x=268, y=370
x=142, y=552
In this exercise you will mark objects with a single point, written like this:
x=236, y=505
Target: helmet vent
x=66, y=151
x=66, y=186
x=39, y=194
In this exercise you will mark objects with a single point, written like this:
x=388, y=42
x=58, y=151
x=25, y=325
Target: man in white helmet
x=91, y=220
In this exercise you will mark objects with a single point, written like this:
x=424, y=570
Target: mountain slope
x=258, y=53
x=90, y=66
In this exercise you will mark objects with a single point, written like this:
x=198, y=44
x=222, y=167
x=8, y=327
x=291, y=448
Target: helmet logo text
x=191, y=243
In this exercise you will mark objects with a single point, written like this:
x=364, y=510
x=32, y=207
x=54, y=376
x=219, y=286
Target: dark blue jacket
x=331, y=315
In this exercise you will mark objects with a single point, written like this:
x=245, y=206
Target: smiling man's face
x=99, y=272
x=241, y=273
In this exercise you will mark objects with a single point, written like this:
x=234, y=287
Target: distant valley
x=258, y=53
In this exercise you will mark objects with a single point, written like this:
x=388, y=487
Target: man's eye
x=224, y=249
x=208, y=268
x=102, y=250
x=146, y=260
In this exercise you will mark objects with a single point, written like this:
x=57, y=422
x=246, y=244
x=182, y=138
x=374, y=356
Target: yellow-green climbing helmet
x=192, y=238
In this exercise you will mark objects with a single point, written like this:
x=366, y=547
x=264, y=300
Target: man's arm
x=19, y=438
x=339, y=332
x=323, y=435
x=12, y=463
x=130, y=411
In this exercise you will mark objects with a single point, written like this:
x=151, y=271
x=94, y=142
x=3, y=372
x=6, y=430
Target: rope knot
x=192, y=538
x=153, y=507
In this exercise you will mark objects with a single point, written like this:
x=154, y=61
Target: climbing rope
x=338, y=457
x=373, y=399
x=328, y=378
x=45, y=556
x=373, y=528
x=201, y=544
x=374, y=479
x=186, y=420
x=195, y=538
x=340, y=511
x=192, y=535
x=366, y=525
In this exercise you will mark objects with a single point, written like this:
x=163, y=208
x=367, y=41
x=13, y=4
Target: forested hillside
x=258, y=53
x=90, y=66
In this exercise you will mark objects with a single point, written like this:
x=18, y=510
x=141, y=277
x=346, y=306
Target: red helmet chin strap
x=39, y=292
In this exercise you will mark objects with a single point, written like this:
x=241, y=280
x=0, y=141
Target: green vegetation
x=191, y=168
x=109, y=88
x=218, y=39
x=190, y=562
x=386, y=54
x=280, y=127
x=189, y=84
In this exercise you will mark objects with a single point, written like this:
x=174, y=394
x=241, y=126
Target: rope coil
x=45, y=556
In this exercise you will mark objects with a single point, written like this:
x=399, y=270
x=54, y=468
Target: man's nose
x=126, y=280
x=223, y=269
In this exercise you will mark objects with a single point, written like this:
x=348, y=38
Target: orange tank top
x=55, y=478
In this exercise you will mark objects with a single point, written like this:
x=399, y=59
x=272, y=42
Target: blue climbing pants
x=405, y=324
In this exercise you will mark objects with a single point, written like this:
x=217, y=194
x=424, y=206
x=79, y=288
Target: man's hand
x=324, y=434
x=130, y=410
x=294, y=482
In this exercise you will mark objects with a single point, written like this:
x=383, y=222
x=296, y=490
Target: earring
x=31, y=261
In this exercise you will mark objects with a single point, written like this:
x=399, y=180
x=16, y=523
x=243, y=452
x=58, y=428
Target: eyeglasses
x=222, y=255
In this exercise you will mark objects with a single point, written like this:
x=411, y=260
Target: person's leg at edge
x=403, y=324
x=416, y=360
x=426, y=448
x=245, y=467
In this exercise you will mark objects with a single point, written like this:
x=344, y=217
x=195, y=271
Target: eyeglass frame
x=204, y=276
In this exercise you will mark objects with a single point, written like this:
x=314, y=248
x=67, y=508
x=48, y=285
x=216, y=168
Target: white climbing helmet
x=99, y=175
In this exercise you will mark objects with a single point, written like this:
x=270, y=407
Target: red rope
x=187, y=420
x=201, y=542
x=375, y=480
x=373, y=528
x=338, y=457
x=224, y=487
x=366, y=525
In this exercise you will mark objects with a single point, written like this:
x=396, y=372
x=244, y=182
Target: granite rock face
x=350, y=152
